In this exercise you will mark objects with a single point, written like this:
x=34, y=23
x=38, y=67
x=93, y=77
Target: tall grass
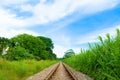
x=20, y=70
x=101, y=61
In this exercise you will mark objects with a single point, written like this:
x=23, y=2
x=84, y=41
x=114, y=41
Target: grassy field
x=20, y=70
x=101, y=61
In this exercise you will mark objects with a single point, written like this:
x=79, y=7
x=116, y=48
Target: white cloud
x=93, y=37
x=59, y=50
x=44, y=13
x=93, y=6
x=9, y=20
x=62, y=43
x=13, y=2
x=13, y=32
x=61, y=39
x=10, y=25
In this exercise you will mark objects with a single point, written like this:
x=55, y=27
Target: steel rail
x=55, y=69
x=70, y=72
x=52, y=72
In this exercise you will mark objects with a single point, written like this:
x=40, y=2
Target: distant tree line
x=69, y=53
x=25, y=46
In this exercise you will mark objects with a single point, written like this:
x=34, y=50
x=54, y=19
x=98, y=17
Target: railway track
x=61, y=72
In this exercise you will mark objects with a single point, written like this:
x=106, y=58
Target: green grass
x=101, y=61
x=21, y=70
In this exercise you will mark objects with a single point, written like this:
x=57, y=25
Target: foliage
x=49, y=46
x=21, y=70
x=32, y=44
x=69, y=53
x=101, y=61
x=25, y=46
x=18, y=53
x=47, y=41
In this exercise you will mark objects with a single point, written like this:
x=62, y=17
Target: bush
x=18, y=53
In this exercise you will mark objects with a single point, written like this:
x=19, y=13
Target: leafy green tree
x=69, y=53
x=49, y=46
x=25, y=46
x=48, y=42
x=18, y=53
x=31, y=43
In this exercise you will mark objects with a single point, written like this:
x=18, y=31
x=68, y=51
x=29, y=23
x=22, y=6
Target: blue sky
x=69, y=23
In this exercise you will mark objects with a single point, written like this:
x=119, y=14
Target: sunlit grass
x=20, y=70
x=101, y=61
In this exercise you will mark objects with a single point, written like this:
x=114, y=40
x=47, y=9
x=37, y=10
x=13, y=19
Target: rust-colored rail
x=70, y=72
x=52, y=73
